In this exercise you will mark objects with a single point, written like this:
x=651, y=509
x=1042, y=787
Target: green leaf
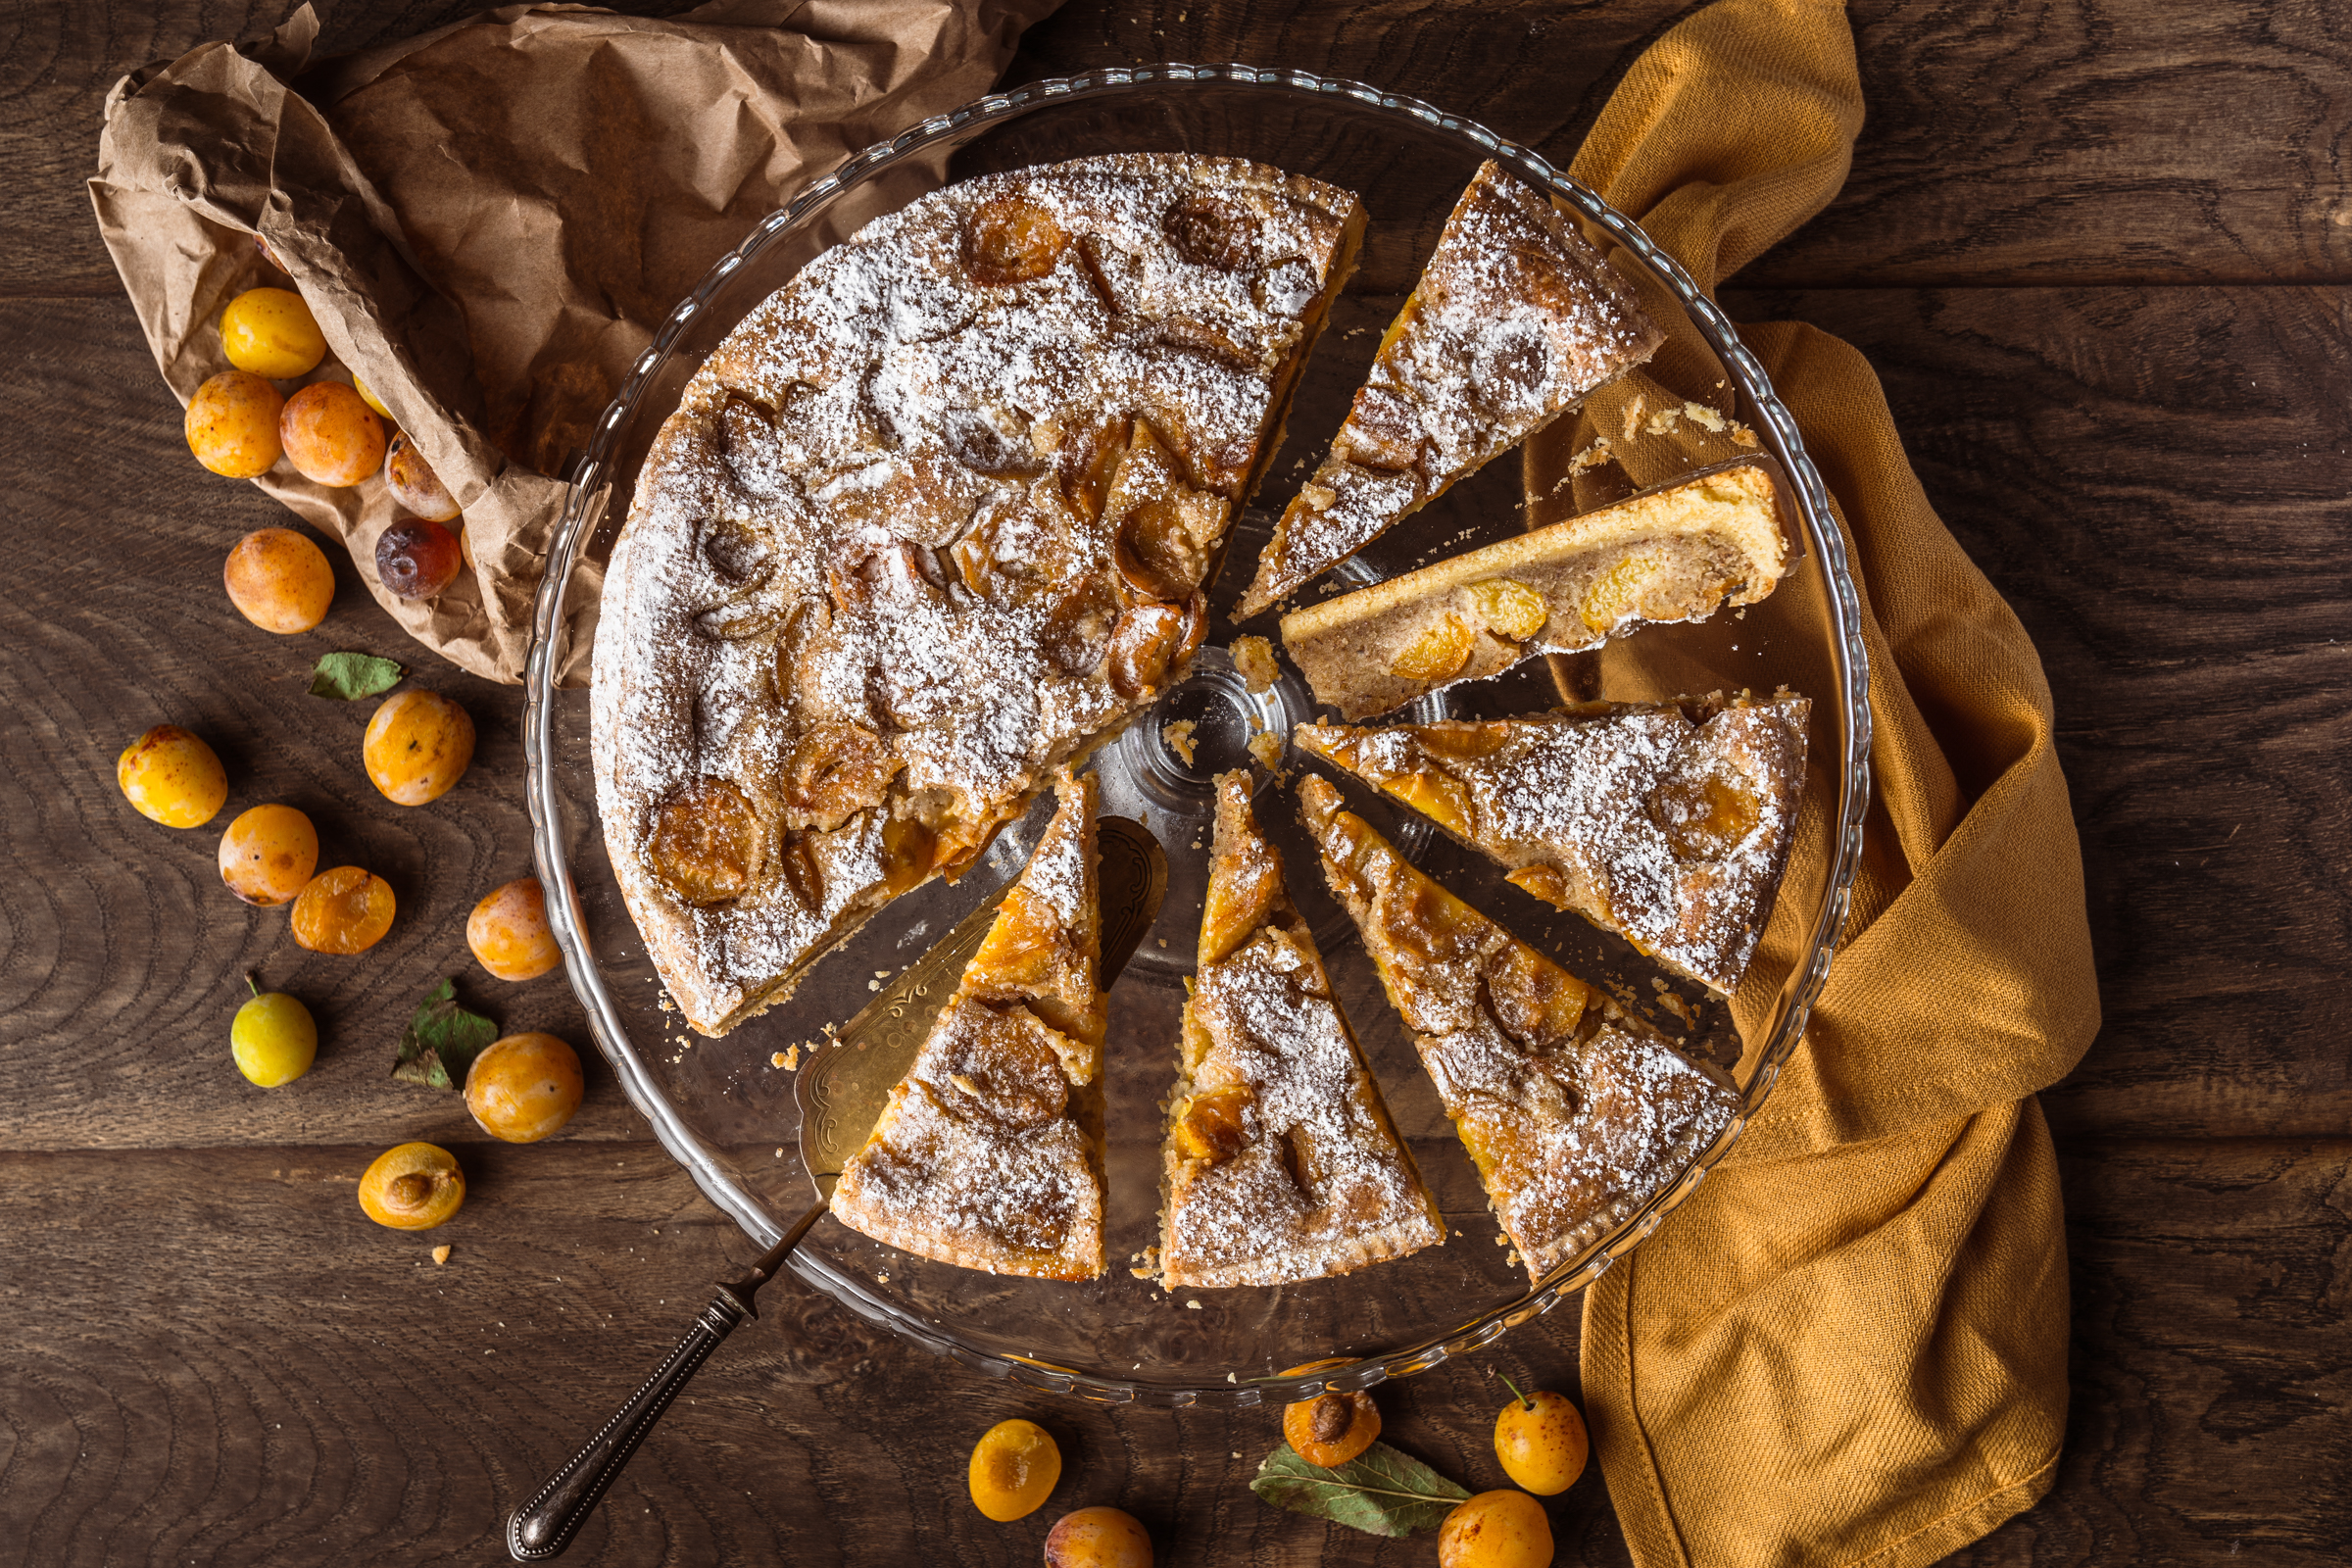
x=1380, y=1492
x=441, y=1041
x=348, y=677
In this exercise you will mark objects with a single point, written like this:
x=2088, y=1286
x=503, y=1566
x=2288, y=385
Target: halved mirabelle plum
x=267, y=854
x=417, y=747
x=172, y=777
x=330, y=434
x=524, y=1087
x=705, y=842
x=1013, y=1469
x=414, y=1187
x=278, y=580
x=344, y=910
x=232, y=424
x=509, y=932
x=271, y=332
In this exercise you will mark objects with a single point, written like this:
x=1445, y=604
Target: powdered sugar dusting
x=1575, y=1112
x=873, y=573
x=1669, y=827
x=1514, y=321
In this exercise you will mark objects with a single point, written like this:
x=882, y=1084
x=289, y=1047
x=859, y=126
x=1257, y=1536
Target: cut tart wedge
x=990, y=1153
x=1513, y=323
x=1575, y=1112
x=1280, y=1161
x=1667, y=823
x=1677, y=553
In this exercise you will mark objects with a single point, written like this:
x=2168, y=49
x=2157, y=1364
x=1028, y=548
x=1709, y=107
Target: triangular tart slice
x=1575, y=1112
x=990, y=1153
x=1280, y=1161
x=1668, y=823
x=1513, y=323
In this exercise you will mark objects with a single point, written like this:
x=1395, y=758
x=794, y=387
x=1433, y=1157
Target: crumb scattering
x=441, y=1254
x=1178, y=733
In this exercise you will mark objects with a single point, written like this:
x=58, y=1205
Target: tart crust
x=1677, y=553
x=1666, y=823
x=935, y=519
x=990, y=1153
x=1575, y=1112
x=1280, y=1161
x=1514, y=321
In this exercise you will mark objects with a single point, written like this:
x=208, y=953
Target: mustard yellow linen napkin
x=1849, y=1346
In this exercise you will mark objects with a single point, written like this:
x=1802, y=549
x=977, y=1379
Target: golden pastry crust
x=1513, y=323
x=935, y=519
x=1281, y=1163
x=1575, y=1112
x=1677, y=553
x=990, y=1153
x=1667, y=823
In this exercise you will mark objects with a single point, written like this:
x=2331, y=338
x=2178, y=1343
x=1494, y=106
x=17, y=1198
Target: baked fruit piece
x=935, y=519
x=990, y=1153
x=1679, y=552
x=1281, y=1163
x=1513, y=323
x=1575, y=1112
x=1667, y=823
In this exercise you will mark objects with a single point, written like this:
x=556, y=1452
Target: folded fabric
x=1849, y=1346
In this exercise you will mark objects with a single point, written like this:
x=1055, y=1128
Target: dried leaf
x=1380, y=1492
x=348, y=677
x=441, y=1041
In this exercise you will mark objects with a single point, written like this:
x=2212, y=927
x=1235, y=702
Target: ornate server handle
x=545, y=1526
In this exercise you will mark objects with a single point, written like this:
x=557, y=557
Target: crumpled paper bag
x=490, y=222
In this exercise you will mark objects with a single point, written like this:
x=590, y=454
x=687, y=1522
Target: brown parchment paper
x=491, y=221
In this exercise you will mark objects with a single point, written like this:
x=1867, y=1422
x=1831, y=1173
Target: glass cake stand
x=727, y=1114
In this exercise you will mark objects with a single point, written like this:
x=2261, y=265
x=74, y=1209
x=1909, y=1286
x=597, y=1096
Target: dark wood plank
x=2157, y=481
x=2030, y=140
x=321, y=1390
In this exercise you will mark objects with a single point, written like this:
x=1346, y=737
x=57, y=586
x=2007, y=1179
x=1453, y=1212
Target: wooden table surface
x=2099, y=250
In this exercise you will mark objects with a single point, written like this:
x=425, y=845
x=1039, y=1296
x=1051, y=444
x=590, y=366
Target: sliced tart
x=936, y=518
x=1575, y=1112
x=990, y=1153
x=1676, y=553
x=1668, y=823
x=1280, y=1161
x=1513, y=323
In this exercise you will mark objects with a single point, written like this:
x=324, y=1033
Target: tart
x=1667, y=823
x=1575, y=1112
x=933, y=521
x=1280, y=1161
x=1677, y=553
x=1513, y=323
x=989, y=1154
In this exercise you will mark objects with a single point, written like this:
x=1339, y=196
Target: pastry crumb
x=1191, y=1306
x=1254, y=661
x=1266, y=746
x=1178, y=733
x=441, y=1254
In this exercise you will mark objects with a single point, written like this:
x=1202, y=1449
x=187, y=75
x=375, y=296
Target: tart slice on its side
x=989, y=1154
x=1668, y=823
x=1514, y=321
x=1676, y=553
x=1575, y=1112
x=1280, y=1161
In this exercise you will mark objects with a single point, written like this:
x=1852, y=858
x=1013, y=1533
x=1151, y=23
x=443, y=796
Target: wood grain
x=312, y=1388
x=2156, y=479
x=212, y=1357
